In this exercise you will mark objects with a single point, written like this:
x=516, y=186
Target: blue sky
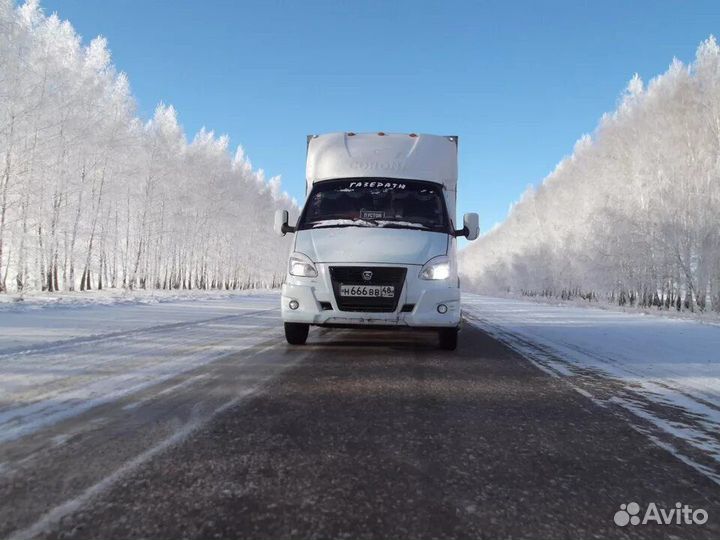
x=519, y=82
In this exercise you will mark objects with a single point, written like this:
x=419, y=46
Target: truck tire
x=448, y=339
x=296, y=333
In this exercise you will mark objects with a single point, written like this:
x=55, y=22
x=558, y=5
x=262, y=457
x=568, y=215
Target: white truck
x=375, y=244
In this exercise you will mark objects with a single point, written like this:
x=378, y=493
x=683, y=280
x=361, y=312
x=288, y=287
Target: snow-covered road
x=59, y=361
x=90, y=394
x=663, y=372
x=25, y=326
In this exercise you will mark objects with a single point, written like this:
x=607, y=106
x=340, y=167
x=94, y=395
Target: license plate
x=368, y=291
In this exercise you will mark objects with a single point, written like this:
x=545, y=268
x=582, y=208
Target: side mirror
x=471, y=226
x=281, y=223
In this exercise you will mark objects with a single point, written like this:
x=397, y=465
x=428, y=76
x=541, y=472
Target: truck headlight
x=302, y=266
x=437, y=268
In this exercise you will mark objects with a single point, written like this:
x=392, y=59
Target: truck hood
x=371, y=245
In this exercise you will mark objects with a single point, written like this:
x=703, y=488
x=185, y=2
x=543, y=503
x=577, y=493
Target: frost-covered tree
x=632, y=215
x=93, y=197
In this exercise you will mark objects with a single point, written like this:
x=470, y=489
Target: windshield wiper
x=358, y=222
x=344, y=223
x=402, y=225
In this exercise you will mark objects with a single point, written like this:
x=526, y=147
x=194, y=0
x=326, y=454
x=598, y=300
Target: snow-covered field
x=60, y=360
x=706, y=317
x=663, y=372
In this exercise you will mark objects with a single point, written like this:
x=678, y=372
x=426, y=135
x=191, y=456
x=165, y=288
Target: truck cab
x=375, y=243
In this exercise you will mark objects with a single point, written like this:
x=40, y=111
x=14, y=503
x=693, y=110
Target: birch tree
x=91, y=196
x=632, y=215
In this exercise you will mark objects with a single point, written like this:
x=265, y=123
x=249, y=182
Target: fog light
x=442, y=309
x=294, y=304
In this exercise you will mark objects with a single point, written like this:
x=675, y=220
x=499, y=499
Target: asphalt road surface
x=359, y=434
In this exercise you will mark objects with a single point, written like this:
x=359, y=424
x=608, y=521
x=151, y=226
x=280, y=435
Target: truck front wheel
x=296, y=333
x=448, y=339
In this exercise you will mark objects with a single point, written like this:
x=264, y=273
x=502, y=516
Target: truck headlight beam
x=436, y=269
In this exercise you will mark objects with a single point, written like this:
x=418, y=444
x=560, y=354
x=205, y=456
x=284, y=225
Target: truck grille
x=353, y=275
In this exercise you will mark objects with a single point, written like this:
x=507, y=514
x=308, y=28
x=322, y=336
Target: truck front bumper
x=435, y=304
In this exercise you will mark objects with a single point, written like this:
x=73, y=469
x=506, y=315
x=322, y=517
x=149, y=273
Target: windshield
x=375, y=202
